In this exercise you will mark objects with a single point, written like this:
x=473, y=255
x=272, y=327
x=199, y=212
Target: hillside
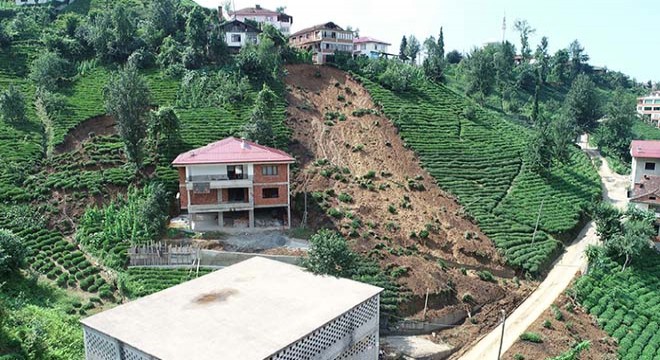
x=477, y=155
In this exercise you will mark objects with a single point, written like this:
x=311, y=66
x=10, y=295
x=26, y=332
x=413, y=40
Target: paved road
x=563, y=271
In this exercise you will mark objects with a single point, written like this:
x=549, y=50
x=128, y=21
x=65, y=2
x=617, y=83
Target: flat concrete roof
x=250, y=310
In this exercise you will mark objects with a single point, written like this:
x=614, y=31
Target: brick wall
x=259, y=200
x=204, y=199
x=280, y=177
x=183, y=194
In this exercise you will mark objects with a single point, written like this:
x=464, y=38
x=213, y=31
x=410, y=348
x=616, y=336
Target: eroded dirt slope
x=367, y=184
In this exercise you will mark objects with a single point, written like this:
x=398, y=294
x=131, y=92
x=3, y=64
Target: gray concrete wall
x=226, y=258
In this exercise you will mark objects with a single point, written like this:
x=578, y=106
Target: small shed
x=256, y=309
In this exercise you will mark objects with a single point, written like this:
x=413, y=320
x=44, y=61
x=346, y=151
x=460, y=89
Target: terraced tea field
x=626, y=303
x=479, y=158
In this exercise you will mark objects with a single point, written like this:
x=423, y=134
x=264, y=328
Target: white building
x=650, y=106
x=41, y=2
x=645, y=177
x=256, y=309
x=370, y=47
x=238, y=33
x=279, y=20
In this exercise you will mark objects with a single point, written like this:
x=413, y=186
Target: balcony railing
x=222, y=206
x=218, y=177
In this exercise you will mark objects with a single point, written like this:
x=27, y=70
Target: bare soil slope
x=367, y=184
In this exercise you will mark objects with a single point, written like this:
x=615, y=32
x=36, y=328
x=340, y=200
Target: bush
x=12, y=252
x=399, y=76
x=531, y=337
x=486, y=275
x=12, y=106
x=47, y=70
x=329, y=254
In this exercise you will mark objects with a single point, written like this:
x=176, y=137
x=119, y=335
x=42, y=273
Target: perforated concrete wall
x=351, y=336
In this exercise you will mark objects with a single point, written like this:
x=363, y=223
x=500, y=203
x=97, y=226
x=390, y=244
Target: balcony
x=220, y=181
x=222, y=206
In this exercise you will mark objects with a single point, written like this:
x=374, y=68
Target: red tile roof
x=254, y=11
x=366, y=39
x=645, y=149
x=648, y=185
x=232, y=150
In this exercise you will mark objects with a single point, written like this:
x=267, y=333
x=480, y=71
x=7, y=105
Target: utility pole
x=538, y=218
x=504, y=28
x=426, y=304
x=499, y=352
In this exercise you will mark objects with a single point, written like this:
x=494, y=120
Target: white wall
x=284, y=27
x=639, y=168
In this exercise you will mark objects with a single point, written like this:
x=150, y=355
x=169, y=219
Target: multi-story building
x=650, y=106
x=645, y=177
x=258, y=309
x=279, y=20
x=323, y=41
x=58, y=3
x=233, y=183
x=238, y=33
x=370, y=47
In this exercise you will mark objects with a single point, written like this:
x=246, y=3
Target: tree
x=164, y=127
x=48, y=69
x=403, y=48
x=525, y=30
x=260, y=129
x=441, y=44
x=160, y=21
x=454, y=57
x=614, y=134
x=559, y=66
x=12, y=106
x=399, y=76
x=563, y=131
x=196, y=27
x=12, y=252
x=280, y=9
x=479, y=73
x=329, y=254
x=127, y=99
x=170, y=52
x=503, y=55
x=539, y=150
x=434, y=62
x=412, y=48
x=608, y=221
x=578, y=58
x=626, y=233
x=125, y=32
x=543, y=59
x=583, y=104
x=261, y=61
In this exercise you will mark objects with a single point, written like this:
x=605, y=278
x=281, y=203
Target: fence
x=161, y=254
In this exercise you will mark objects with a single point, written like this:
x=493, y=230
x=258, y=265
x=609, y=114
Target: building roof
x=645, y=149
x=247, y=311
x=648, y=185
x=230, y=151
x=328, y=26
x=366, y=39
x=255, y=11
x=234, y=21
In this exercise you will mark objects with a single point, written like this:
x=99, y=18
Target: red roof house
x=645, y=149
x=234, y=183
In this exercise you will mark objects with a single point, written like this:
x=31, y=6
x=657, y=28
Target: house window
x=236, y=38
x=649, y=166
x=270, y=193
x=651, y=197
x=363, y=46
x=269, y=170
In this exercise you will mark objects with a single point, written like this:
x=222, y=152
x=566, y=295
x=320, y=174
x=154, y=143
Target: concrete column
x=251, y=212
x=221, y=219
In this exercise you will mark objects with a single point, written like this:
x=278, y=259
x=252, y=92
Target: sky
x=617, y=34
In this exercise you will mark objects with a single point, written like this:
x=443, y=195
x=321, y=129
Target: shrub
x=547, y=324
x=12, y=252
x=467, y=298
x=370, y=174
x=329, y=254
x=335, y=213
x=424, y=234
x=518, y=357
x=531, y=337
x=556, y=312
x=391, y=208
x=344, y=197
x=486, y=275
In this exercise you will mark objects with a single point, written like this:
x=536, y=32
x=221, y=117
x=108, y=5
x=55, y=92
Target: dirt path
x=563, y=271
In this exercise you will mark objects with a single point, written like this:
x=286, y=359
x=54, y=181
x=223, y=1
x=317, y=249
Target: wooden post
x=426, y=304
x=538, y=218
x=499, y=352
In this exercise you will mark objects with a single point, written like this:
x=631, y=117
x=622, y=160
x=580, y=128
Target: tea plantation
x=626, y=303
x=477, y=155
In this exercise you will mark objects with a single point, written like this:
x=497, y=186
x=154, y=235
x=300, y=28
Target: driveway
x=558, y=279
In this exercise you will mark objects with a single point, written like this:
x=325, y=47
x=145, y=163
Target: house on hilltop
x=279, y=20
x=257, y=309
x=59, y=3
x=323, y=41
x=234, y=183
x=370, y=47
x=649, y=106
x=238, y=33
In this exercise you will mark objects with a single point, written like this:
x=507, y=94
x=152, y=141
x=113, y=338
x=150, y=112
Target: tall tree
x=615, y=133
x=479, y=74
x=330, y=254
x=125, y=32
x=578, y=57
x=563, y=131
x=525, y=30
x=539, y=149
x=164, y=128
x=260, y=129
x=160, y=20
x=403, y=48
x=412, y=48
x=48, y=69
x=12, y=252
x=503, y=63
x=441, y=44
x=583, y=104
x=559, y=67
x=543, y=59
x=434, y=63
x=12, y=106
x=196, y=28
x=127, y=99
